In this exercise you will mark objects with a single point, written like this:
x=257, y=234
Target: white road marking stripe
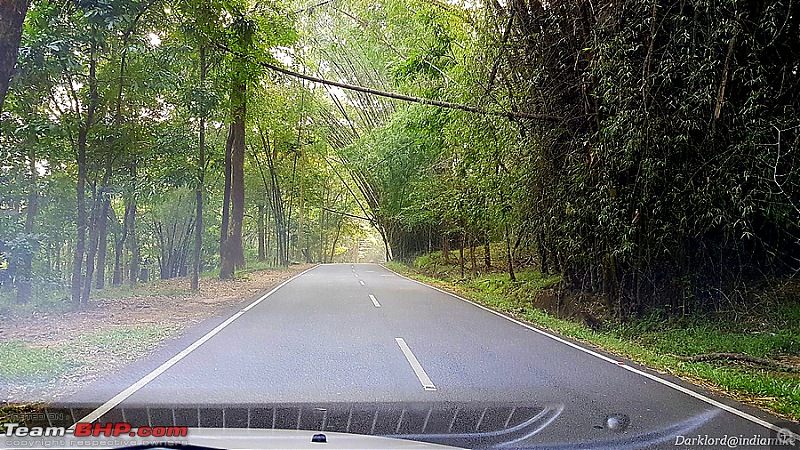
x=374, y=301
x=119, y=398
x=620, y=364
x=427, y=384
x=362, y=282
x=355, y=274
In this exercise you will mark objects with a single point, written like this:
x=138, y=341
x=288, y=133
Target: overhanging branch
x=347, y=214
x=396, y=96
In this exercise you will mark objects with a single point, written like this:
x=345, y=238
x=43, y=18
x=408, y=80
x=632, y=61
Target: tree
x=231, y=247
x=12, y=14
x=251, y=33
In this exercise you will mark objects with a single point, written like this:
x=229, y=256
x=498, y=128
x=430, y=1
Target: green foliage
x=653, y=342
x=121, y=340
x=667, y=185
x=32, y=364
x=709, y=338
x=142, y=144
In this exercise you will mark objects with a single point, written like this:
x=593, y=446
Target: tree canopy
x=645, y=151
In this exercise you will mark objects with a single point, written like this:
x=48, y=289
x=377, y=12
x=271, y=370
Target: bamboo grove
x=645, y=151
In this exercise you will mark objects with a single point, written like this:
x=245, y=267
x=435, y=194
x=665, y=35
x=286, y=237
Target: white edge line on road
x=119, y=398
x=621, y=364
x=374, y=301
x=427, y=384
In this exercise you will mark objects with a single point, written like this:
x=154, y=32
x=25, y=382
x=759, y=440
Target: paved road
x=361, y=333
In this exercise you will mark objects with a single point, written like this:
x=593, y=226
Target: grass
x=253, y=266
x=175, y=287
x=27, y=363
x=257, y=266
x=165, y=288
x=46, y=296
x=651, y=341
x=53, y=296
x=122, y=340
x=30, y=364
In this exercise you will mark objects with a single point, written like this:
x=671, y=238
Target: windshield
x=457, y=223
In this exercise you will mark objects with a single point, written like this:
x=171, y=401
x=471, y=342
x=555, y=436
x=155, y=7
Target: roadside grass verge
x=654, y=341
x=51, y=353
x=156, y=288
x=47, y=367
x=54, y=297
x=257, y=266
x=31, y=364
x=123, y=340
x=176, y=287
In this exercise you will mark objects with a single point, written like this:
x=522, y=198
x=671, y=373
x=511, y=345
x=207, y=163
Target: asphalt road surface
x=360, y=334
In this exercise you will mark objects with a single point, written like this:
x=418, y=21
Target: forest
x=644, y=152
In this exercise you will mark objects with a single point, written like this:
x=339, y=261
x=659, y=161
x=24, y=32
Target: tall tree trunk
x=103, y=219
x=339, y=222
x=130, y=220
x=301, y=207
x=461, y=254
x=91, y=250
x=276, y=203
x=226, y=272
x=267, y=235
x=234, y=240
x=544, y=253
x=102, y=250
x=473, y=263
x=510, y=259
x=119, y=243
x=198, y=230
x=24, y=276
x=233, y=256
x=386, y=247
x=262, y=250
x=12, y=14
x=323, y=236
x=80, y=240
x=83, y=134
x=201, y=170
x=116, y=277
x=291, y=203
x=263, y=211
x=165, y=251
x=301, y=212
x=487, y=252
x=98, y=232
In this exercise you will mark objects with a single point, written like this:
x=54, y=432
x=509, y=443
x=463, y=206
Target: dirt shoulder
x=51, y=355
